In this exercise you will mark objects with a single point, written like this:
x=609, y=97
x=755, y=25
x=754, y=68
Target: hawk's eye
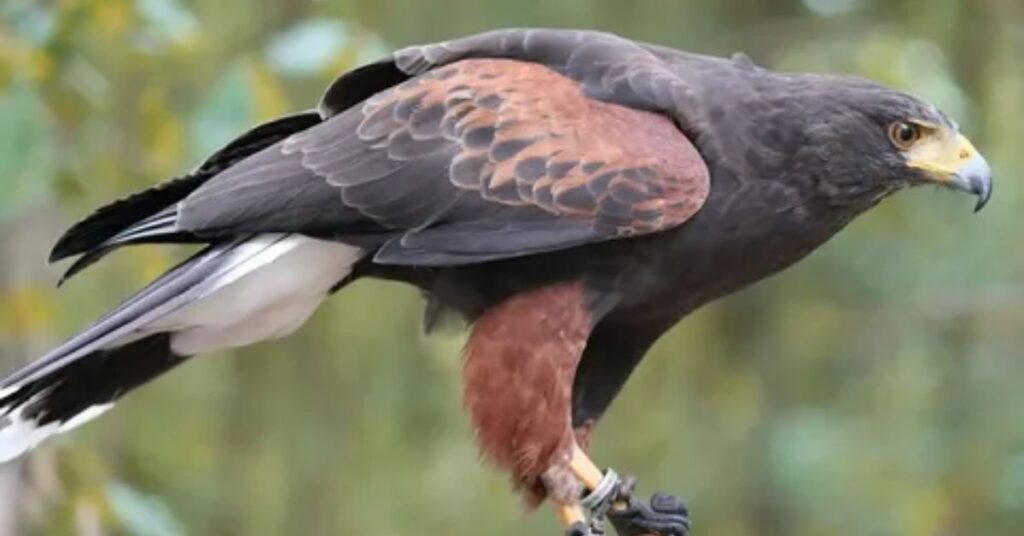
x=904, y=134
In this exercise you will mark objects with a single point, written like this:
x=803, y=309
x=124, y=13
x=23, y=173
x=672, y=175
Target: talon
x=579, y=528
x=612, y=497
x=664, y=515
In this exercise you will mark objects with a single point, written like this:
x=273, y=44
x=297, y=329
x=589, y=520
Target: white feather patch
x=6, y=392
x=19, y=435
x=85, y=416
x=273, y=284
x=267, y=288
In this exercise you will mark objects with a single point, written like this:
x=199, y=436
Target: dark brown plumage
x=621, y=170
x=572, y=194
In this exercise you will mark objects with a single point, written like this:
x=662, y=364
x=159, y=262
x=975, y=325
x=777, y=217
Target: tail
x=228, y=295
x=79, y=392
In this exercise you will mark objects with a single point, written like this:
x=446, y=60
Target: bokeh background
x=876, y=388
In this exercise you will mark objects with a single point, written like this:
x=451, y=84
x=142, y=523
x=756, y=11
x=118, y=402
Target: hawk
x=572, y=194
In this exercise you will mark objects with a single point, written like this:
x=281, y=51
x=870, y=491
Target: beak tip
x=983, y=196
x=975, y=178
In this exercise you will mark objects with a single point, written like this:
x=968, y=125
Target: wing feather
x=447, y=154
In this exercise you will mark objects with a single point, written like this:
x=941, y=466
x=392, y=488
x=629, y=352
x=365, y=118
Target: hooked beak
x=974, y=177
x=955, y=163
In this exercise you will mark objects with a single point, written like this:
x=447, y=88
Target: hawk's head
x=872, y=140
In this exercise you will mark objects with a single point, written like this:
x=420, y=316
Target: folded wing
x=478, y=160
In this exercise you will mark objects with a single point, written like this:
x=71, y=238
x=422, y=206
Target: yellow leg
x=585, y=469
x=571, y=514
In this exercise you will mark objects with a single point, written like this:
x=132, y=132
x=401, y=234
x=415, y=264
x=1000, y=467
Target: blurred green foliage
x=874, y=389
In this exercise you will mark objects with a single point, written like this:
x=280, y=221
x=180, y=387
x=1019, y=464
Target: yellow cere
x=941, y=151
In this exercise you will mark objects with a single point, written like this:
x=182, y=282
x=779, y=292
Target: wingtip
x=57, y=252
x=65, y=247
x=82, y=263
x=56, y=256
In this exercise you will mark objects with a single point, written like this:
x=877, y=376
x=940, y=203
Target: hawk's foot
x=664, y=515
x=612, y=498
x=580, y=529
